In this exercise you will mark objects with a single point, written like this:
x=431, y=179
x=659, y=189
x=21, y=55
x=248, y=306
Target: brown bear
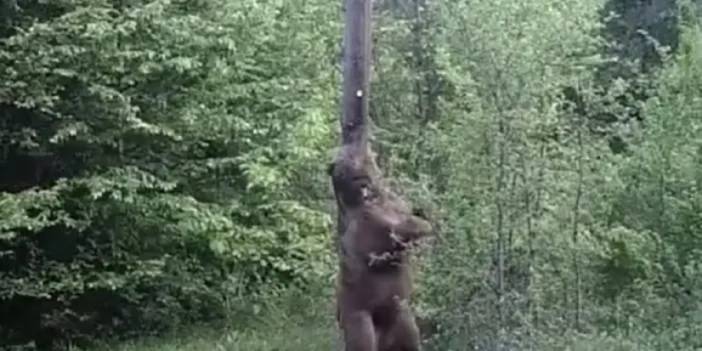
x=374, y=283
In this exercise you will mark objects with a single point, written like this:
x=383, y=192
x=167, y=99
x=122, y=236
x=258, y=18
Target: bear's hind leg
x=359, y=332
x=403, y=335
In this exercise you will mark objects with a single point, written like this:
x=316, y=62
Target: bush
x=150, y=178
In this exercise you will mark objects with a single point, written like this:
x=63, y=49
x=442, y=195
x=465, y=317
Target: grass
x=292, y=323
x=289, y=332
x=293, y=338
x=298, y=322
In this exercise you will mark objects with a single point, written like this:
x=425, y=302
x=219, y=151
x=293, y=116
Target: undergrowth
x=291, y=321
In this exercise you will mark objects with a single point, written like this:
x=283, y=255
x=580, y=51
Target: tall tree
x=375, y=226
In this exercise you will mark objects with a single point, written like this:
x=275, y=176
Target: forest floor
x=291, y=338
x=293, y=323
x=292, y=332
x=299, y=322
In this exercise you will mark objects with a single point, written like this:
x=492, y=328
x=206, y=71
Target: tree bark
x=356, y=62
x=533, y=211
x=499, y=204
x=576, y=232
x=356, y=72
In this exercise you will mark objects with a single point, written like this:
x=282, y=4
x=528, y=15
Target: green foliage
x=660, y=202
x=567, y=199
x=159, y=158
x=280, y=325
x=162, y=163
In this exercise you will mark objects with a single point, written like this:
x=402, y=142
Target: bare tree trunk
x=530, y=266
x=356, y=62
x=356, y=72
x=500, y=188
x=418, y=55
x=539, y=212
x=532, y=204
x=576, y=224
x=499, y=204
x=512, y=225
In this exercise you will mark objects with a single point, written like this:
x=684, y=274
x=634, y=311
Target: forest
x=164, y=181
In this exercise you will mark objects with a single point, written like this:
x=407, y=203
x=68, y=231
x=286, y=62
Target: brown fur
x=374, y=286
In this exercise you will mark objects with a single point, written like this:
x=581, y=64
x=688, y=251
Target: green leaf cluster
x=158, y=159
